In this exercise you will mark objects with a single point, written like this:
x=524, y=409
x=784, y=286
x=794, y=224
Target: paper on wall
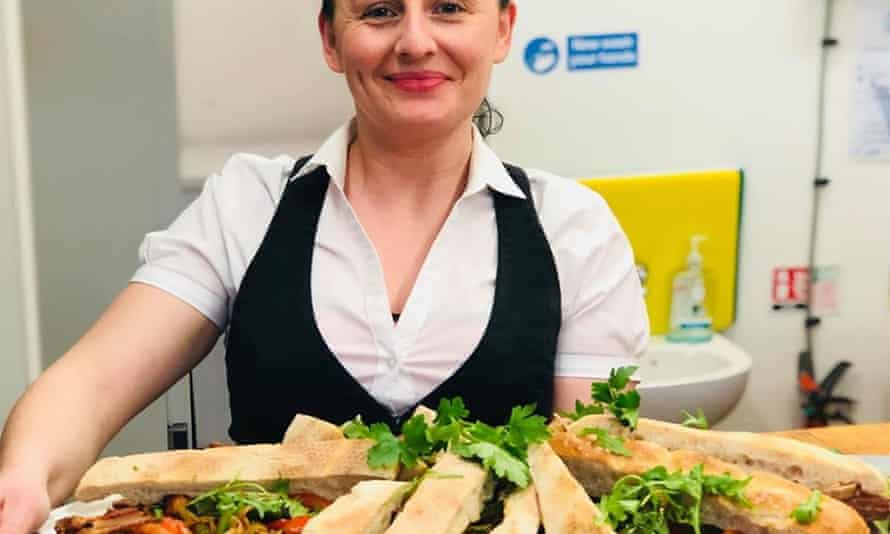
x=870, y=137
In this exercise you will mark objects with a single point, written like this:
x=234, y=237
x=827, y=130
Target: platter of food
x=600, y=469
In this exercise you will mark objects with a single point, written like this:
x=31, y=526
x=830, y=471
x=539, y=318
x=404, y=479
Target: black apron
x=279, y=365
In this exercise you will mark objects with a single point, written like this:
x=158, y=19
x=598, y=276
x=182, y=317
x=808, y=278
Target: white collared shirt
x=203, y=256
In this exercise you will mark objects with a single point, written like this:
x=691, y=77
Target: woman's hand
x=24, y=502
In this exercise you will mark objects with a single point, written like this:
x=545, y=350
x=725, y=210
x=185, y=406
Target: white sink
x=679, y=376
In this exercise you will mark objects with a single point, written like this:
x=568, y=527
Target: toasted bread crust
x=445, y=503
x=521, y=513
x=367, y=509
x=773, y=498
x=327, y=468
x=809, y=465
x=565, y=506
x=308, y=428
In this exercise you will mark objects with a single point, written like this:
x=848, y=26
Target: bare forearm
x=144, y=342
x=53, y=432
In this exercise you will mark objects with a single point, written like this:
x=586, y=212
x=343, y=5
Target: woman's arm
x=144, y=342
x=567, y=390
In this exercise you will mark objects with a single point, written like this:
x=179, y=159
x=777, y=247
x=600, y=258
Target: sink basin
x=679, y=376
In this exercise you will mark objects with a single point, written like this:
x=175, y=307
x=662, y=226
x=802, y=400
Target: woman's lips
x=417, y=82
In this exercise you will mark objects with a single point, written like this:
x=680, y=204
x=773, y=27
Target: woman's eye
x=378, y=12
x=449, y=8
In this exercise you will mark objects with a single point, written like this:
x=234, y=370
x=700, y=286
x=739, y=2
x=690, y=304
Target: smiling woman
x=487, y=118
x=400, y=264
x=452, y=27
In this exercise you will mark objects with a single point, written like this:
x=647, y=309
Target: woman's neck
x=404, y=173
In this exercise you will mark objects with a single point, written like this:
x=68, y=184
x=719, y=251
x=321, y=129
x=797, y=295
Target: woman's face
x=417, y=65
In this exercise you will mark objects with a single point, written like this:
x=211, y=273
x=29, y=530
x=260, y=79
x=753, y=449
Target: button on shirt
x=203, y=256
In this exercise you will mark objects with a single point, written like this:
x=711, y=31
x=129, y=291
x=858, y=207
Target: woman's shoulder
x=560, y=201
x=246, y=176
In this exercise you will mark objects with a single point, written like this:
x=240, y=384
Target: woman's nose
x=415, y=39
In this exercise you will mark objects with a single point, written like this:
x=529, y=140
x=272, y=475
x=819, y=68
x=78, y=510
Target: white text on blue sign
x=605, y=51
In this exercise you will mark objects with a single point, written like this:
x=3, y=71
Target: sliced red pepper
x=290, y=526
x=312, y=501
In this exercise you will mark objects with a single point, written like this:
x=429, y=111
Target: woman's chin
x=424, y=125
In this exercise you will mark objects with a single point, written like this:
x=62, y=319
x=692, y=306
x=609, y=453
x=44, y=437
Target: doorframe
x=17, y=104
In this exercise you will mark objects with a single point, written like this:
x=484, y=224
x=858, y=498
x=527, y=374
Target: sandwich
x=601, y=470
x=367, y=509
x=239, y=489
x=651, y=476
x=844, y=478
x=447, y=502
x=469, y=477
x=325, y=468
x=687, y=487
x=565, y=506
x=521, y=513
x=308, y=428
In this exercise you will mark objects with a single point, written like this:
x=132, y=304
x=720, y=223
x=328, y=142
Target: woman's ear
x=506, y=23
x=328, y=43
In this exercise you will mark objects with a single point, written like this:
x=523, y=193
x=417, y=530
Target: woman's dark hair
x=487, y=118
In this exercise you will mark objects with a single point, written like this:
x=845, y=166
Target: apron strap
x=299, y=165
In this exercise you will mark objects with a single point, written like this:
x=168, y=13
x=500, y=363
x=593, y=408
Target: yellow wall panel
x=660, y=213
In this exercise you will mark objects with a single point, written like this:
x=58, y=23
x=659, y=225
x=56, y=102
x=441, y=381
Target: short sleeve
x=188, y=259
x=604, y=322
x=203, y=255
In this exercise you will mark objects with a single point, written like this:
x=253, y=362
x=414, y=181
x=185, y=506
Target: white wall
x=271, y=53
x=720, y=84
x=730, y=84
x=14, y=375
x=855, y=234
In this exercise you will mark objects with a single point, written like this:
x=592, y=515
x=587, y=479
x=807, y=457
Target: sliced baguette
x=308, y=428
x=367, y=509
x=326, y=468
x=521, y=513
x=809, y=465
x=565, y=506
x=773, y=498
x=445, y=502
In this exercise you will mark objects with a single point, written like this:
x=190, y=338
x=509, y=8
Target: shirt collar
x=486, y=169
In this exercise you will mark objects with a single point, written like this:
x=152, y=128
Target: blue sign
x=606, y=51
x=541, y=55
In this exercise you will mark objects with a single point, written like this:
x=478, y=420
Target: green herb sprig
x=695, y=421
x=807, y=512
x=647, y=503
x=234, y=497
x=883, y=526
x=612, y=396
x=503, y=450
x=613, y=444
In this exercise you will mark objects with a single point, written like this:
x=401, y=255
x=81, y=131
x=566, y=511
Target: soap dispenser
x=690, y=321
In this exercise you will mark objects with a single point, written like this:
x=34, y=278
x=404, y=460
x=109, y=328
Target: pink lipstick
x=417, y=81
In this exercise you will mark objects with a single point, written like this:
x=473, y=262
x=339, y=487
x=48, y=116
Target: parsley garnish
x=582, y=409
x=695, y=421
x=234, y=497
x=613, y=444
x=503, y=450
x=642, y=504
x=883, y=527
x=807, y=512
x=612, y=396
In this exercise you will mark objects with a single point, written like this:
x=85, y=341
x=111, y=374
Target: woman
x=401, y=263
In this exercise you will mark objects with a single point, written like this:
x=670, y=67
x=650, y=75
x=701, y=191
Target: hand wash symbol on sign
x=541, y=55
